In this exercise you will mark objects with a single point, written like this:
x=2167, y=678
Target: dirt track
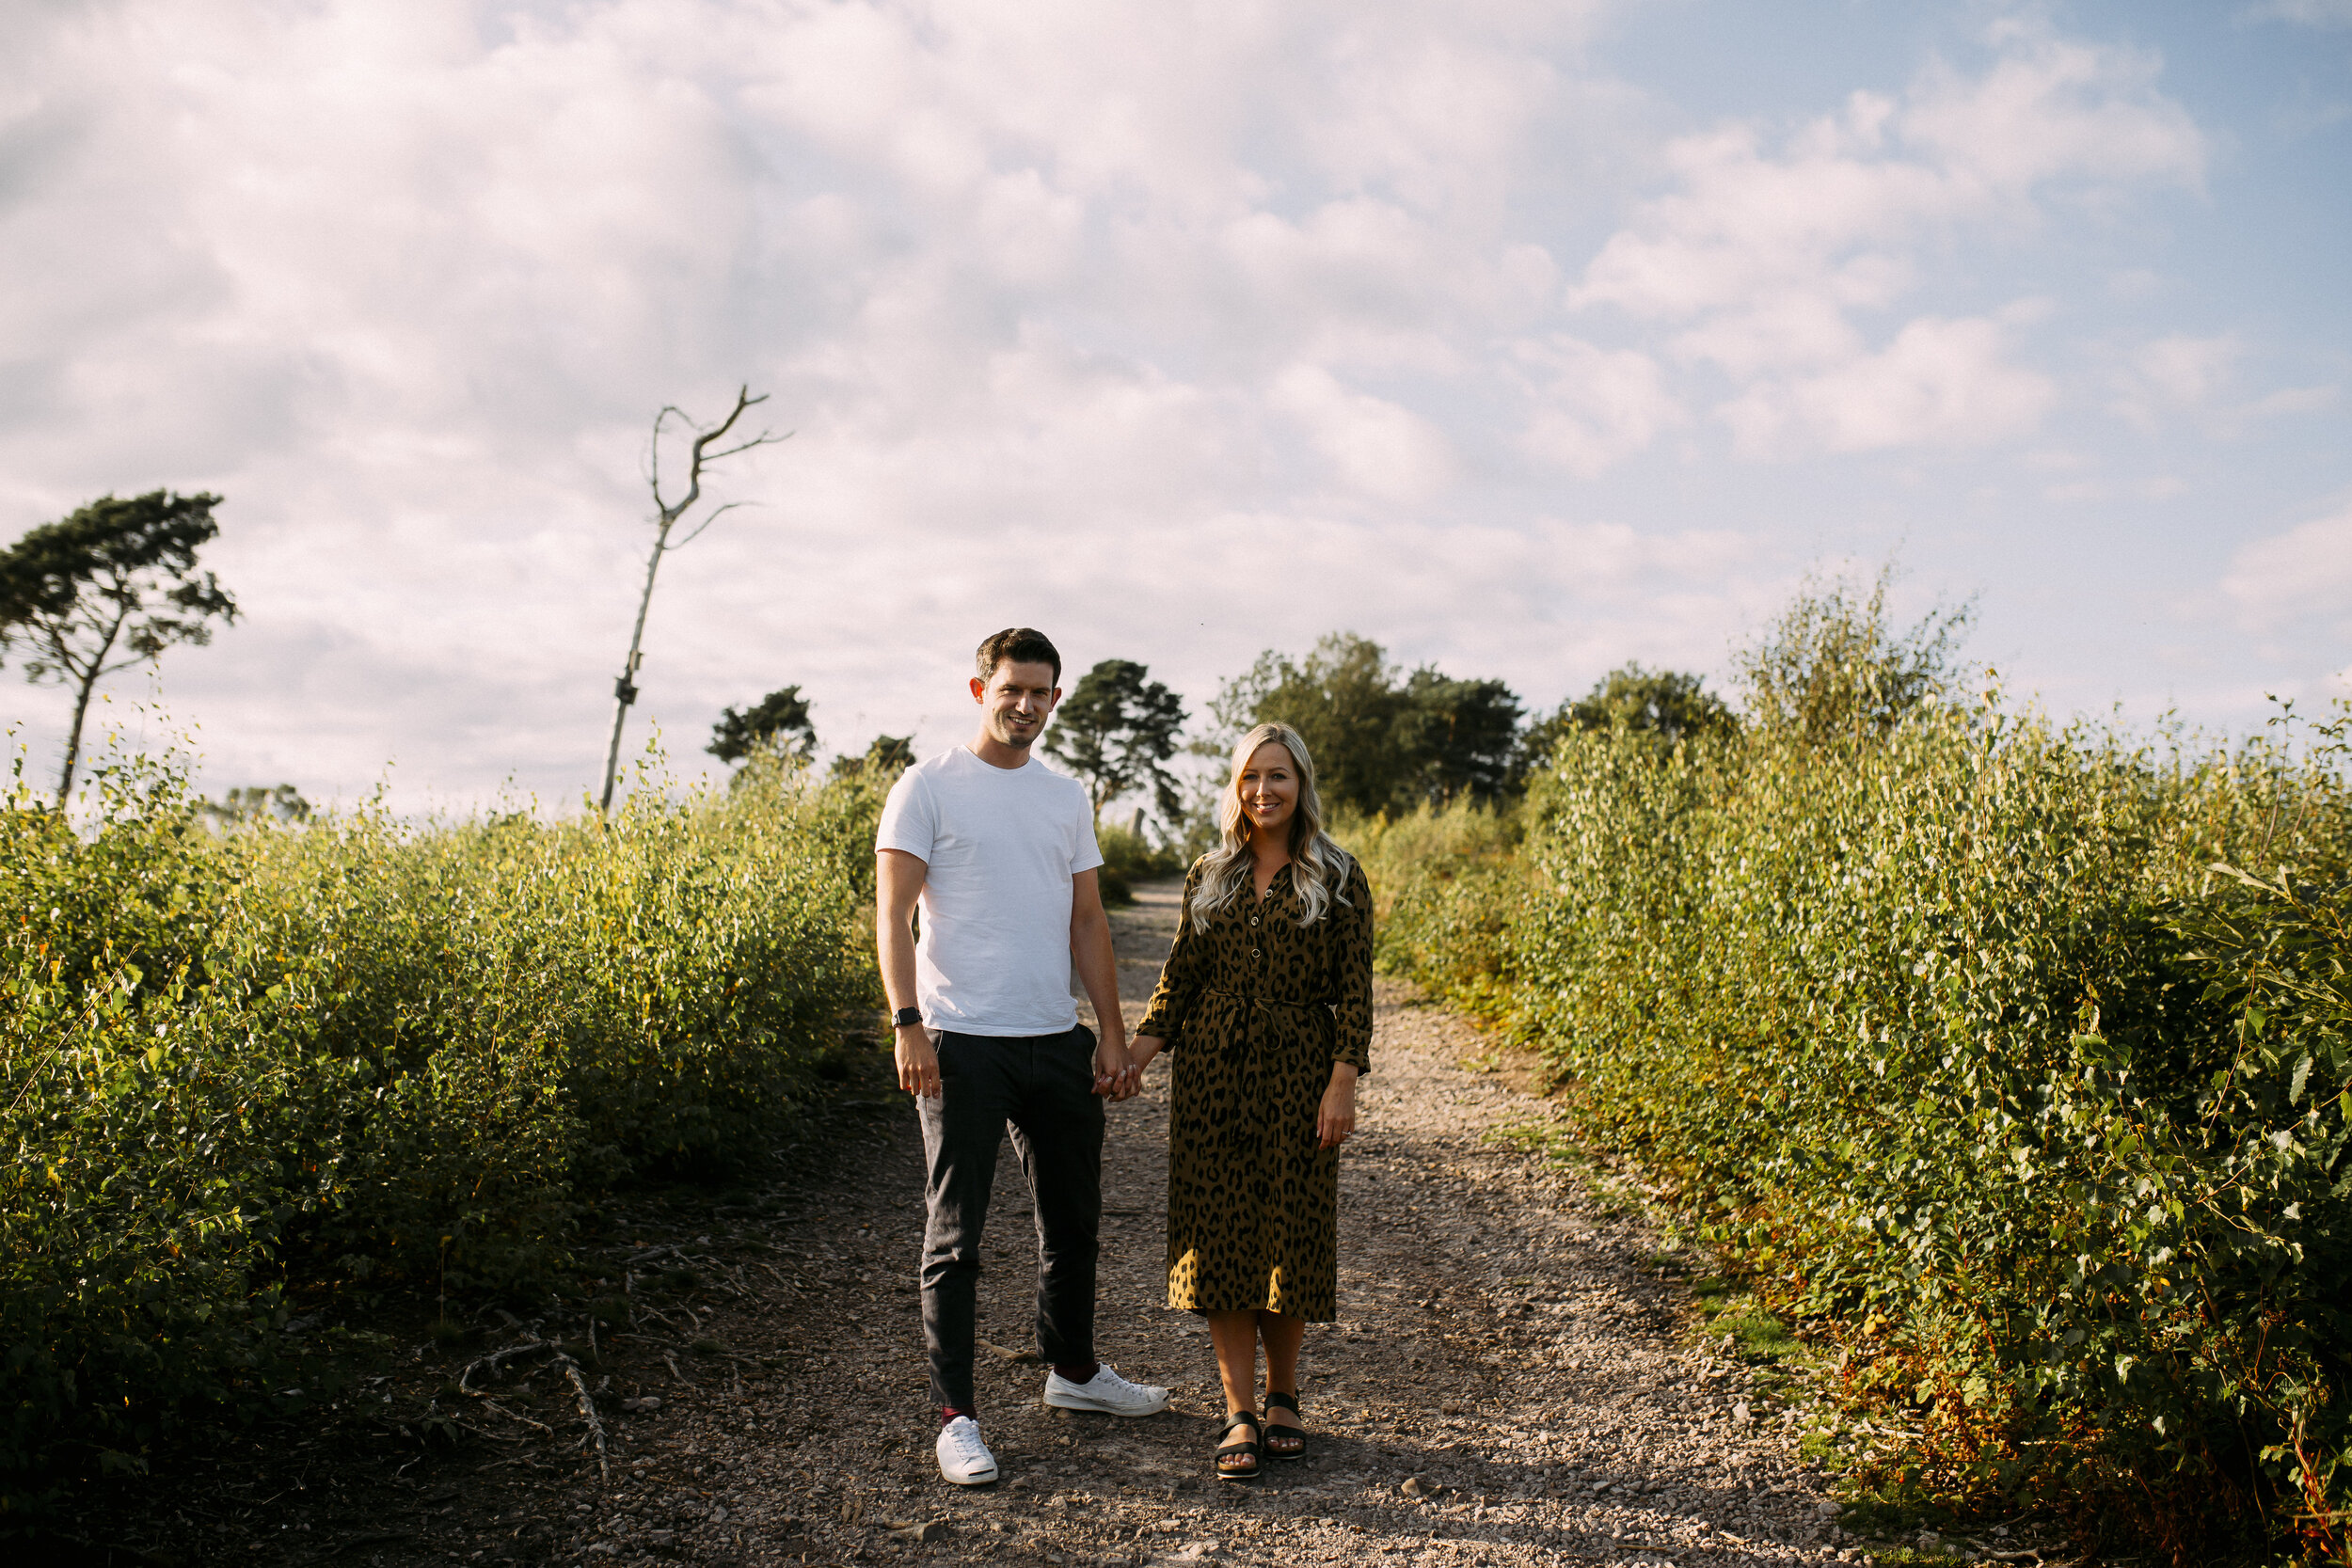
x=1508, y=1383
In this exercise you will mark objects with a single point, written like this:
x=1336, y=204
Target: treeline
x=2009, y=1060
x=315, y=1060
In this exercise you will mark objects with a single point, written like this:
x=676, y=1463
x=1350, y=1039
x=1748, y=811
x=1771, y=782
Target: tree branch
x=714, y=517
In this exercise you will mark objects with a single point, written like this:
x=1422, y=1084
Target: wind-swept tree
x=108, y=588
x=1116, y=731
x=777, y=724
x=1669, y=706
x=704, y=450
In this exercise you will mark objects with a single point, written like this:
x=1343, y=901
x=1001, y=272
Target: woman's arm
x=1163, y=1018
x=1351, y=981
x=1336, y=1118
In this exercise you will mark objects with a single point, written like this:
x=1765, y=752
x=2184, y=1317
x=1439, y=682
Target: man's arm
x=898, y=884
x=1098, y=970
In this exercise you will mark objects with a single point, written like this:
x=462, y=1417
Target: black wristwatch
x=905, y=1016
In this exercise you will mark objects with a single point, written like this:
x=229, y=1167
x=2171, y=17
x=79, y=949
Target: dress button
x=1253, y=953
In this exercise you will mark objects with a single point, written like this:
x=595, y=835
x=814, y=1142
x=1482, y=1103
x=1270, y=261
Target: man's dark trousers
x=1042, y=1085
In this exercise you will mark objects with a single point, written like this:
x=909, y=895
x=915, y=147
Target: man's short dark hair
x=1020, y=646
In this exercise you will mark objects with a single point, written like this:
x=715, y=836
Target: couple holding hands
x=1264, y=1008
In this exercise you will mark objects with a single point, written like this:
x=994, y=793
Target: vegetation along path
x=1512, y=1381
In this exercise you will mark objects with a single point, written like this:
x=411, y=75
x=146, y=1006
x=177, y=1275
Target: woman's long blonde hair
x=1318, y=866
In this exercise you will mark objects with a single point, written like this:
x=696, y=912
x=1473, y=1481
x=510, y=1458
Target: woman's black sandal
x=1296, y=1437
x=1253, y=1447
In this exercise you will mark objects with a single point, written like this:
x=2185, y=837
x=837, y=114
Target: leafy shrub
x=1956, y=1042
x=1445, y=881
x=360, y=1049
x=1129, y=858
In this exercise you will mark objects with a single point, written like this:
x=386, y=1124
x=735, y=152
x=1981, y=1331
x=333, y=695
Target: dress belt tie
x=1247, y=1042
x=1262, y=1000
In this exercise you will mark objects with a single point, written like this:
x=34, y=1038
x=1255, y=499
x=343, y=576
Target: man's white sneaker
x=962, y=1457
x=1105, y=1391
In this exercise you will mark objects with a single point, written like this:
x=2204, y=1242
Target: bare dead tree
x=702, y=452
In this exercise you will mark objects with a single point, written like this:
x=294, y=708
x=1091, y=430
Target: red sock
x=1076, y=1371
x=949, y=1412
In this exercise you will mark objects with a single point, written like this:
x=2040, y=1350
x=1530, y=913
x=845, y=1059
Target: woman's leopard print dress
x=1255, y=1009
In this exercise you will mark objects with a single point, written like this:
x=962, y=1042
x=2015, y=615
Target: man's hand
x=918, y=1064
x=1113, y=1075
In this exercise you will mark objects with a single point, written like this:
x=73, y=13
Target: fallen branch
x=490, y=1403
x=587, y=1412
x=674, y=1371
x=495, y=1358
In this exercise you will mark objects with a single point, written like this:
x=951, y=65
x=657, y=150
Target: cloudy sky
x=1525, y=338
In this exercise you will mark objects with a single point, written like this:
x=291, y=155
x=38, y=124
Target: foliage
x=1129, y=857
x=108, y=588
x=1832, y=668
x=1444, y=881
x=887, y=754
x=317, y=1059
x=252, y=803
x=1116, y=731
x=1382, y=740
x=777, y=722
x=1666, y=706
x=2008, y=1062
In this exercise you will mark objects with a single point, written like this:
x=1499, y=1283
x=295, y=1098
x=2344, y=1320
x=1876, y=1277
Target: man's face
x=1014, y=702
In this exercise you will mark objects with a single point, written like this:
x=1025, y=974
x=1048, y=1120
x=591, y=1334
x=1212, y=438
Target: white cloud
x=1594, y=406
x=2306, y=571
x=1940, y=382
x=1769, y=257
x=1373, y=446
x=2179, y=370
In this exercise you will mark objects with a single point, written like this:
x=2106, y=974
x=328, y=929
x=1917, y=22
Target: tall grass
x=361, y=1050
x=2013, y=1059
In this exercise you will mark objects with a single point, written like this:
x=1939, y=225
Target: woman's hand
x=1336, y=1119
x=1139, y=1054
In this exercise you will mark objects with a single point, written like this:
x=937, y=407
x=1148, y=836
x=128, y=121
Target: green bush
x=1955, y=1041
x=1129, y=858
x=357, y=1048
x=1445, y=881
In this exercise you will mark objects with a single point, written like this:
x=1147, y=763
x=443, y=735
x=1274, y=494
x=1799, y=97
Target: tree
x=1382, y=740
x=1667, y=705
x=887, y=754
x=108, y=588
x=1463, y=735
x=1116, y=731
x=1831, y=668
x=777, y=724
x=701, y=452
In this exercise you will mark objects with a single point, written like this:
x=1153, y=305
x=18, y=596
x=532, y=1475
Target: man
x=1000, y=855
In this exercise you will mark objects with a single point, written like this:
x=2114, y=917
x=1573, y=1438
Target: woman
x=1266, y=1002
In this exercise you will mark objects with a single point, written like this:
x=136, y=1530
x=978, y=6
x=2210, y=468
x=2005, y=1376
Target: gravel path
x=1510, y=1381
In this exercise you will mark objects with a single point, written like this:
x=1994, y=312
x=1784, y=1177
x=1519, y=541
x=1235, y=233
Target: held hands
x=1336, y=1118
x=1114, y=1073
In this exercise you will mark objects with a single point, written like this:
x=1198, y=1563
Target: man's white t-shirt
x=1001, y=845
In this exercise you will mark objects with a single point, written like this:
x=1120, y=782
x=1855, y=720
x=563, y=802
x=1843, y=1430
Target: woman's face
x=1270, y=790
